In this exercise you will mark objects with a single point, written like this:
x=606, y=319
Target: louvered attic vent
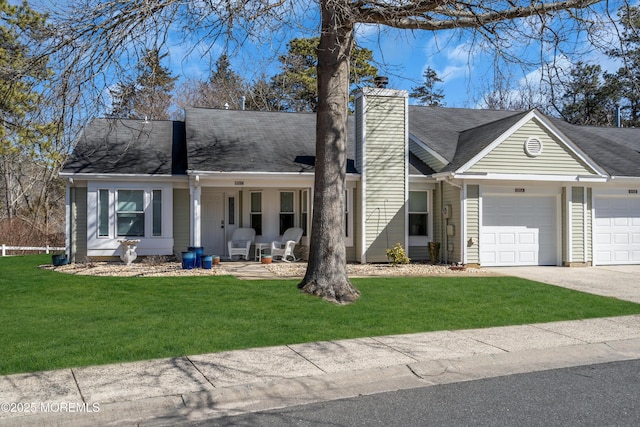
x=533, y=146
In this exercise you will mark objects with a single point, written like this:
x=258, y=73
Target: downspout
x=443, y=225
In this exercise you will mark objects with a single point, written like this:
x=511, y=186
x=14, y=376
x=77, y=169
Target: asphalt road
x=595, y=395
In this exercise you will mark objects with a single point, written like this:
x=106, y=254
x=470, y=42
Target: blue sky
x=399, y=54
x=402, y=55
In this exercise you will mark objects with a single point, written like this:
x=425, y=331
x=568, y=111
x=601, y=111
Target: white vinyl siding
x=510, y=156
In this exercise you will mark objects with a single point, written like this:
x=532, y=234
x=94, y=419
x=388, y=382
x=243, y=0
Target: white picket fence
x=46, y=249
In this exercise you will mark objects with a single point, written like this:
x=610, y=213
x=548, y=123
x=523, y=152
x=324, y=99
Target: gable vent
x=533, y=146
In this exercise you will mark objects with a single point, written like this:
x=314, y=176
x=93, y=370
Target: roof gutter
x=121, y=176
x=260, y=175
x=623, y=179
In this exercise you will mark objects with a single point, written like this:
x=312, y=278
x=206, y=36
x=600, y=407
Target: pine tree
x=298, y=81
x=628, y=76
x=426, y=92
x=23, y=75
x=152, y=94
x=586, y=99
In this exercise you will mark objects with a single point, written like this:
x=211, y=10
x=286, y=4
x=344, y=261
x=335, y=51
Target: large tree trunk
x=326, y=274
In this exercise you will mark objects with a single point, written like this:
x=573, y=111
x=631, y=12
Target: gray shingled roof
x=460, y=134
x=617, y=150
x=440, y=128
x=129, y=147
x=474, y=140
x=249, y=141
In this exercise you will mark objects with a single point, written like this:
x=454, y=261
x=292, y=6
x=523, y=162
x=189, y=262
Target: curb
x=247, y=398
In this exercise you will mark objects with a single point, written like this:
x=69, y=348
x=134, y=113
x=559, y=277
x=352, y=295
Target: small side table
x=260, y=247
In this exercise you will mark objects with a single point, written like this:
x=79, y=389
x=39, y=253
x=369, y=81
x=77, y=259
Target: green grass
x=52, y=320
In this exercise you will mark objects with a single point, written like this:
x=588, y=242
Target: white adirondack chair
x=283, y=248
x=240, y=242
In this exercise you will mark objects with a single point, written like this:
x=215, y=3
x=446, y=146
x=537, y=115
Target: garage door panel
x=507, y=257
x=507, y=238
x=620, y=239
x=526, y=257
x=620, y=222
x=617, y=230
x=518, y=231
x=528, y=238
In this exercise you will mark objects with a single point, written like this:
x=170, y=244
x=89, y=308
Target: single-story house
x=494, y=188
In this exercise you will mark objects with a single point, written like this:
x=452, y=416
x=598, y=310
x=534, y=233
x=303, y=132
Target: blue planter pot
x=188, y=260
x=59, y=259
x=207, y=261
x=199, y=250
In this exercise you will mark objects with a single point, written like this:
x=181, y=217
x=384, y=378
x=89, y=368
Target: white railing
x=46, y=249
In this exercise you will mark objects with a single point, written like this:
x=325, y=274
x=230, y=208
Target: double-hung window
x=256, y=212
x=130, y=214
x=304, y=211
x=418, y=213
x=287, y=216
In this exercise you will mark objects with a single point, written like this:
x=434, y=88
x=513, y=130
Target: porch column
x=196, y=225
x=69, y=237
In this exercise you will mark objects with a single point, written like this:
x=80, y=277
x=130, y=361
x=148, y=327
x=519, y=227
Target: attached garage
x=617, y=230
x=519, y=230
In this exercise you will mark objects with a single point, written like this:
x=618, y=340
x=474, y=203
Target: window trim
x=95, y=241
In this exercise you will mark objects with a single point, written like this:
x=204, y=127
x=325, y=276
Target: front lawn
x=52, y=320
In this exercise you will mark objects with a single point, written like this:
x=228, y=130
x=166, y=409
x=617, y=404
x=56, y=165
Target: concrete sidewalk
x=176, y=391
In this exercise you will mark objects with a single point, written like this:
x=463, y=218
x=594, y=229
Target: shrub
x=434, y=252
x=397, y=255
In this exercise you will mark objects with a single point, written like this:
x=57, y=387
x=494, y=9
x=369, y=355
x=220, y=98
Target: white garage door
x=617, y=230
x=519, y=230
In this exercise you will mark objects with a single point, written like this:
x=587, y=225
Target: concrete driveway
x=618, y=281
